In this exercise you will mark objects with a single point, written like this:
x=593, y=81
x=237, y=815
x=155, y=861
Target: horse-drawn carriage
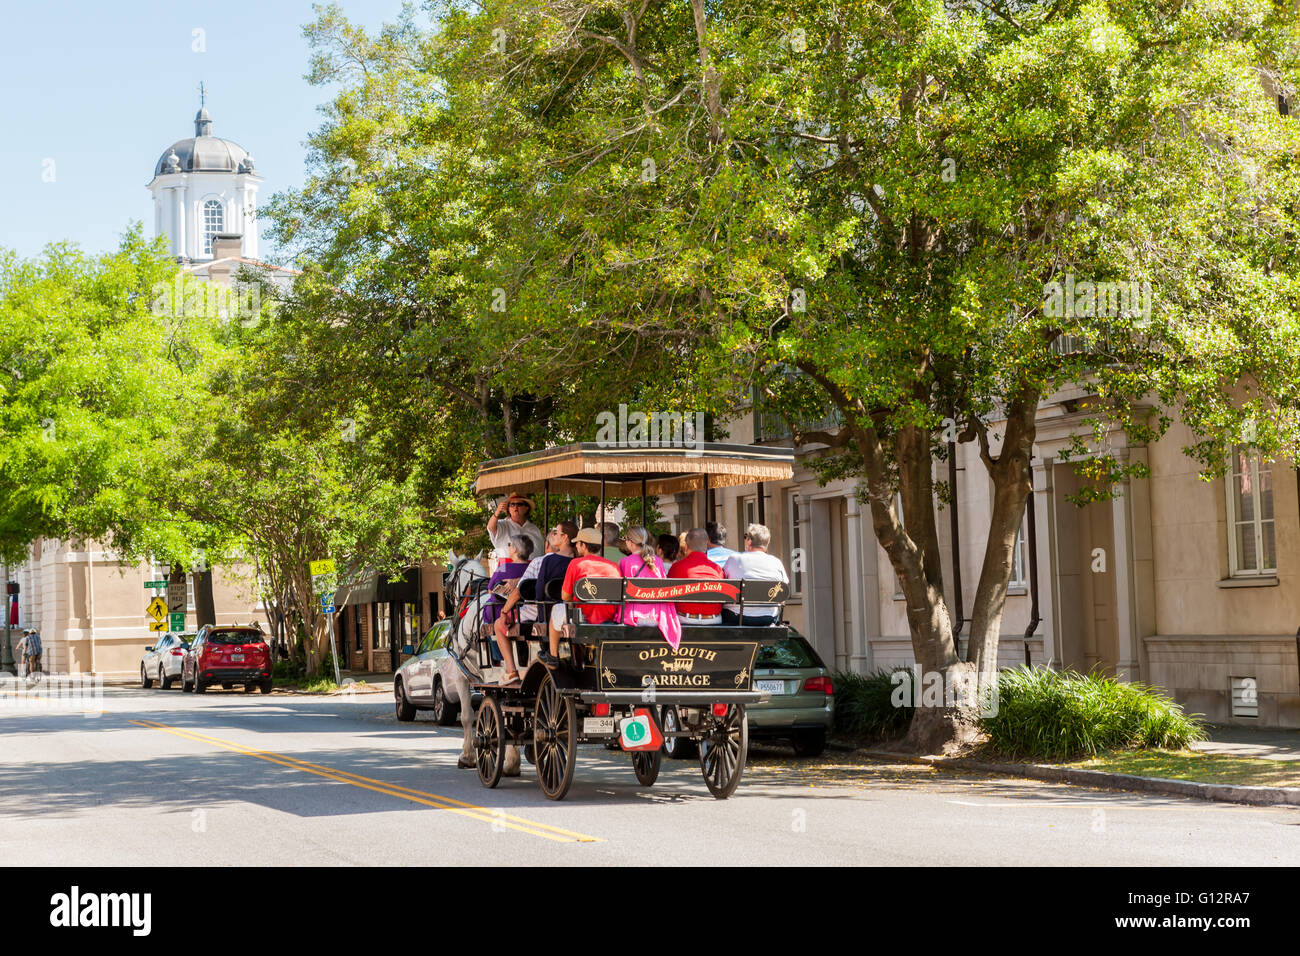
x=613, y=681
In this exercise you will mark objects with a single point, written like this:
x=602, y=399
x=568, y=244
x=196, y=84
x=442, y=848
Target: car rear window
x=235, y=637
x=792, y=652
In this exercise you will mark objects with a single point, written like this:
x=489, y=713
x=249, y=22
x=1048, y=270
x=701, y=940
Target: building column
x=1045, y=531
x=178, y=220
x=1126, y=623
x=859, y=648
x=810, y=617
x=1134, y=572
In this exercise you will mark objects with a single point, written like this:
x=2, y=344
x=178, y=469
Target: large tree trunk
x=1012, y=485
x=947, y=720
x=205, y=606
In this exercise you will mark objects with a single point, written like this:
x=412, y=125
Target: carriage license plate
x=238, y=658
x=770, y=686
x=598, y=725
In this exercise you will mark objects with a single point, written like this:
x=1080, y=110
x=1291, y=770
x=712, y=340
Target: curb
x=1101, y=779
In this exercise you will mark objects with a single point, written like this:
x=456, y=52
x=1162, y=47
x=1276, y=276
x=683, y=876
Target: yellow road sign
x=157, y=610
x=321, y=567
x=157, y=625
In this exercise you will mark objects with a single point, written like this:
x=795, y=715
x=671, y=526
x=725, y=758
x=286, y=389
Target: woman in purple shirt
x=520, y=553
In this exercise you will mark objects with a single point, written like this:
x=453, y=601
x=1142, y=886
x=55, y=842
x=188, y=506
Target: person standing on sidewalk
x=33, y=652
x=20, y=653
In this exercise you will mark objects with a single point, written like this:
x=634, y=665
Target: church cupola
x=205, y=186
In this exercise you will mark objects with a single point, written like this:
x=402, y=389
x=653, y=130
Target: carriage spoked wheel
x=555, y=740
x=646, y=765
x=723, y=751
x=489, y=742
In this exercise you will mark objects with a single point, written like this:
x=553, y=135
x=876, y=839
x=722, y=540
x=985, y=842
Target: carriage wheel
x=489, y=742
x=646, y=765
x=555, y=740
x=723, y=751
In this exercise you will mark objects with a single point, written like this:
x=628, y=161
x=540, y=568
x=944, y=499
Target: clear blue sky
x=104, y=88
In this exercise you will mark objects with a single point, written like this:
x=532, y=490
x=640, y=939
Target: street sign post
x=155, y=584
x=177, y=596
x=334, y=654
x=157, y=625
x=323, y=576
x=157, y=609
x=178, y=621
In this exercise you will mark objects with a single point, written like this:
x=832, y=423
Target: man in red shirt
x=696, y=564
x=588, y=564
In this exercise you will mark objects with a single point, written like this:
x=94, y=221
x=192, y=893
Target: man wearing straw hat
x=516, y=523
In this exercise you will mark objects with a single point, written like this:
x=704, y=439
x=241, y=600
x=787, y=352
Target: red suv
x=227, y=655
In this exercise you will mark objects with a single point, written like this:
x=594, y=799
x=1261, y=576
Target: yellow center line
x=470, y=810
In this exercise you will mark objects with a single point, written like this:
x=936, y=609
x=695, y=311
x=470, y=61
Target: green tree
x=90, y=381
x=880, y=199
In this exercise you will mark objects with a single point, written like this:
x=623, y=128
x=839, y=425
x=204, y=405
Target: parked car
x=165, y=660
x=227, y=655
x=800, y=710
x=419, y=684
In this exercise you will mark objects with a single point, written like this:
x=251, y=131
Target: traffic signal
x=13, y=587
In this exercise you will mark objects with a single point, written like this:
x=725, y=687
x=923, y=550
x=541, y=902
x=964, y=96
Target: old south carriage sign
x=694, y=665
x=701, y=664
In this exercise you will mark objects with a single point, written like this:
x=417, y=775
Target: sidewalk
x=1241, y=765
x=1249, y=742
x=374, y=682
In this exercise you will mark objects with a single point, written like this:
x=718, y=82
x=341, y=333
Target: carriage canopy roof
x=578, y=469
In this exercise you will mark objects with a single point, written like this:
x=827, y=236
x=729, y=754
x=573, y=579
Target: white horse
x=462, y=666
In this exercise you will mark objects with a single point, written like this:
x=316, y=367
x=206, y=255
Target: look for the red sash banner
x=666, y=592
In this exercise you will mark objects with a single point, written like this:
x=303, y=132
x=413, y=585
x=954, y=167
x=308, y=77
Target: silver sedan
x=162, y=661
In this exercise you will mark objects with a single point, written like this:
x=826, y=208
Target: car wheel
x=144, y=678
x=199, y=686
x=267, y=686
x=186, y=687
x=809, y=743
x=405, y=709
x=164, y=681
x=444, y=711
x=675, y=748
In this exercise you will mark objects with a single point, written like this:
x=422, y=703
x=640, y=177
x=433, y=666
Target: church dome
x=204, y=152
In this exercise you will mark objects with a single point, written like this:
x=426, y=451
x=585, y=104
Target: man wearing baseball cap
x=517, y=523
x=588, y=564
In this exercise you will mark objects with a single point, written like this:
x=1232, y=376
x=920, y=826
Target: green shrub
x=865, y=705
x=285, y=670
x=1048, y=714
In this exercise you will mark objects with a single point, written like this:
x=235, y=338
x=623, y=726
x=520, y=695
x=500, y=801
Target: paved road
x=165, y=778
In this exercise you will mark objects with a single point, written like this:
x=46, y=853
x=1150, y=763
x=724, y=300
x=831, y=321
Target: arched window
x=214, y=221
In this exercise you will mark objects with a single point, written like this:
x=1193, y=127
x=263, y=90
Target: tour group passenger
x=519, y=508
x=754, y=564
x=718, y=551
x=696, y=564
x=588, y=564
